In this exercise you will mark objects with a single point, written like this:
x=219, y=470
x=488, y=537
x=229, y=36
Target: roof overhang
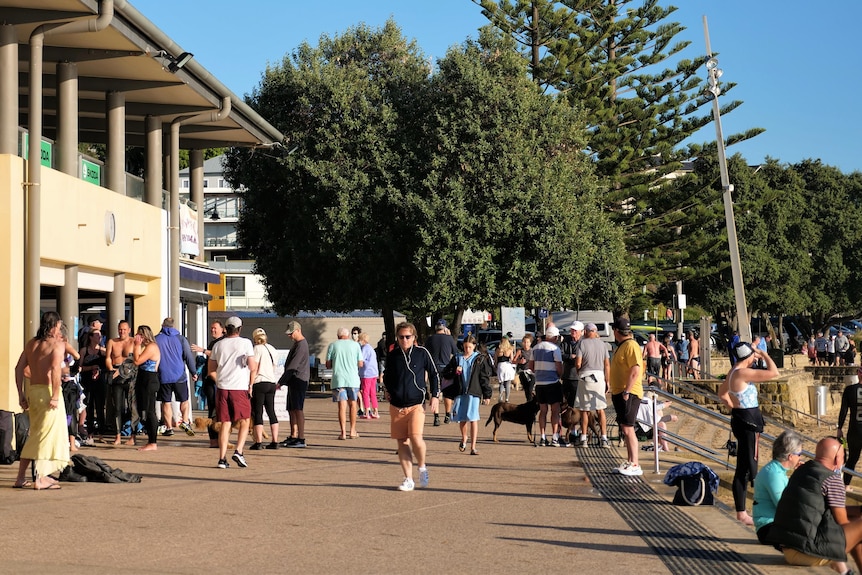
x=130, y=56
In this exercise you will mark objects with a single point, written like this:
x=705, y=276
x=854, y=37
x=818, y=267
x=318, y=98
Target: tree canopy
x=414, y=190
x=621, y=61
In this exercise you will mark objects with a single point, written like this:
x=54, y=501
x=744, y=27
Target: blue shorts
x=345, y=394
x=179, y=389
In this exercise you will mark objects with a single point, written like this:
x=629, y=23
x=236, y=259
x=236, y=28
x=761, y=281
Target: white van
x=603, y=319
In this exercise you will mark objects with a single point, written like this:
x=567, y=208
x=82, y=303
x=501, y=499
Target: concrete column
x=116, y=155
x=67, y=118
x=196, y=185
x=175, y=307
x=153, y=174
x=68, y=304
x=8, y=90
x=116, y=305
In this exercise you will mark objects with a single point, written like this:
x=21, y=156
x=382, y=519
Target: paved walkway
x=333, y=508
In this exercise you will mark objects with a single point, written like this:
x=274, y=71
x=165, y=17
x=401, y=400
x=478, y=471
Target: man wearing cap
x=851, y=404
x=344, y=358
x=176, y=357
x=297, y=372
x=594, y=366
x=232, y=359
x=442, y=348
x=547, y=365
x=569, y=353
x=626, y=374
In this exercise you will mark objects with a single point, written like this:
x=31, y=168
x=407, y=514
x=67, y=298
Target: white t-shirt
x=265, y=356
x=231, y=355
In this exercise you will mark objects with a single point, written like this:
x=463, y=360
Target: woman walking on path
x=746, y=422
x=368, y=374
x=472, y=372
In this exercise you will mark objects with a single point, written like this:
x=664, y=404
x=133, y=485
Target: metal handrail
x=712, y=417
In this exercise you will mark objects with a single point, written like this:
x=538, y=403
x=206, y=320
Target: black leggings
x=209, y=388
x=528, y=381
x=854, y=448
x=118, y=393
x=746, y=460
x=146, y=389
x=263, y=396
x=96, y=392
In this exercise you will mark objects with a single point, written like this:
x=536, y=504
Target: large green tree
x=621, y=61
x=399, y=189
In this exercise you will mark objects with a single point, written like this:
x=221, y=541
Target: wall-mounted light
x=177, y=63
x=214, y=216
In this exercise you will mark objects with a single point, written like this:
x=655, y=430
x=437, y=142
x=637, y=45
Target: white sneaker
x=423, y=477
x=620, y=469
x=406, y=485
x=631, y=470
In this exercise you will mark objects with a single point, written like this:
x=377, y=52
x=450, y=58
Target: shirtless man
x=694, y=356
x=43, y=356
x=119, y=348
x=653, y=352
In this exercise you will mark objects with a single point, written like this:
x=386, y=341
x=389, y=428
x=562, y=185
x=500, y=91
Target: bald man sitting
x=812, y=524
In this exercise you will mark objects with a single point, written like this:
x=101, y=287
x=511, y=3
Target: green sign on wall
x=91, y=172
x=47, y=151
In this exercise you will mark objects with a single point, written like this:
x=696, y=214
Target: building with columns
x=79, y=234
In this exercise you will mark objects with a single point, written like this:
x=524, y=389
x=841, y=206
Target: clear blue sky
x=796, y=65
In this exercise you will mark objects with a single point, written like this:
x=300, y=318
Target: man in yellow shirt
x=627, y=390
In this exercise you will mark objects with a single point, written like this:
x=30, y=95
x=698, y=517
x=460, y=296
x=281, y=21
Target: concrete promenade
x=334, y=508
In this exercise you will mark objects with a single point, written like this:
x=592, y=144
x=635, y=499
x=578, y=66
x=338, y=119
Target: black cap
x=622, y=324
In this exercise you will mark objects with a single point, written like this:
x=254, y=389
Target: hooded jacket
x=176, y=356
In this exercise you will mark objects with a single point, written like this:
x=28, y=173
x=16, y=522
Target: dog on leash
x=523, y=414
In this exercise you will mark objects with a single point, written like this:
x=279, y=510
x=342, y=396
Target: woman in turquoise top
x=147, y=356
x=746, y=422
x=772, y=479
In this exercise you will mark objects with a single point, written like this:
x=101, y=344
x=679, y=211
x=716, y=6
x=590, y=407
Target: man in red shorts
x=232, y=359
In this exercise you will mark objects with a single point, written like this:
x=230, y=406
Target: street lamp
x=714, y=73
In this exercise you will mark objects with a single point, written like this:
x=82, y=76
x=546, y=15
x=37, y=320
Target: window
x=222, y=183
x=235, y=285
x=218, y=235
x=226, y=206
x=206, y=183
x=185, y=184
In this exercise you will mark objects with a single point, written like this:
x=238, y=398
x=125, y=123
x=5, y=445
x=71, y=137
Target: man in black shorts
x=296, y=375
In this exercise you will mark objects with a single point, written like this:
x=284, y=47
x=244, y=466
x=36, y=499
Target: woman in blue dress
x=473, y=373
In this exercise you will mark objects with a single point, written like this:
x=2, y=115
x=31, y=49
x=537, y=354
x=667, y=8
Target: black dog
x=524, y=414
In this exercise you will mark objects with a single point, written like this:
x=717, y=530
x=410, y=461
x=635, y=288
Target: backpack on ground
x=7, y=435
x=22, y=432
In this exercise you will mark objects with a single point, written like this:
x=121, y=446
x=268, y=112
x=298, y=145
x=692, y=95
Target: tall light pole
x=727, y=188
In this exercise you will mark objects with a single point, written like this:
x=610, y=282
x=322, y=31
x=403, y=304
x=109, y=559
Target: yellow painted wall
x=217, y=291
x=11, y=287
x=73, y=233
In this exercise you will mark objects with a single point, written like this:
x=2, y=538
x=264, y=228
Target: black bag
x=22, y=432
x=7, y=432
x=692, y=490
x=695, y=483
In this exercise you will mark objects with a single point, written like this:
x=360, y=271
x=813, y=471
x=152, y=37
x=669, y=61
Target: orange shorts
x=406, y=422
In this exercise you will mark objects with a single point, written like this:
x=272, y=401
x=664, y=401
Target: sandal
x=25, y=485
x=474, y=452
x=462, y=447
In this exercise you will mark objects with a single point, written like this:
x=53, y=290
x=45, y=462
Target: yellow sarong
x=48, y=442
